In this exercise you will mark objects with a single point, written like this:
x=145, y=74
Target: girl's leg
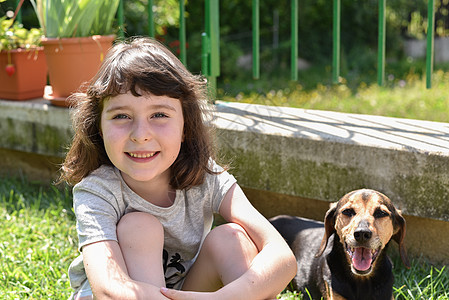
x=225, y=255
x=141, y=239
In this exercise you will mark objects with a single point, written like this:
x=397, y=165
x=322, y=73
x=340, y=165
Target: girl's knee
x=231, y=236
x=141, y=239
x=229, y=230
x=138, y=223
x=226, y=254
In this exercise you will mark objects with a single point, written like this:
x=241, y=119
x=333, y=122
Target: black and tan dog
x=345, y=258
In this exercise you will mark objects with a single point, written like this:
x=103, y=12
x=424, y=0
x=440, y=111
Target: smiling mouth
x=141, y=155
x=362, y=259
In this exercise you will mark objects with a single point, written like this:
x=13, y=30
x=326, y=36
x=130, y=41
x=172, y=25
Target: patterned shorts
x=84, y=293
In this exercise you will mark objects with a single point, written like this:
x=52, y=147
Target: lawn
x=38, y=242
x=404, y=95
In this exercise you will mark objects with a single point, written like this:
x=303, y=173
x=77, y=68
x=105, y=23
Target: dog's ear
x=329, y=227
x=399, y=235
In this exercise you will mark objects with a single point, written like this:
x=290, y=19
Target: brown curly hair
x=141, y=65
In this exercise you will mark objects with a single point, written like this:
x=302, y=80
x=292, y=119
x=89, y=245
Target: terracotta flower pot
x=73, y=62
x=29, y=74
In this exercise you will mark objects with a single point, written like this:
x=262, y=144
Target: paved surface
x=368, y=130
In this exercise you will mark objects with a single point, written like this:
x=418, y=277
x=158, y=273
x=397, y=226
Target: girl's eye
x=120, y=116
x=160, y=115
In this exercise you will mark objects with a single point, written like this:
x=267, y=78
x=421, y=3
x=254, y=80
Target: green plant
x=14, y=36
x=37, y=240
x=75, y=18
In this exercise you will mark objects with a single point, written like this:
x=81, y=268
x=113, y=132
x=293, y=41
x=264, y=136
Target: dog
x=345, y=258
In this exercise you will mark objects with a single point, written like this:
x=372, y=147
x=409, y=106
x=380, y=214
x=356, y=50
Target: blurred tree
x=29, y=18
x=165, y=14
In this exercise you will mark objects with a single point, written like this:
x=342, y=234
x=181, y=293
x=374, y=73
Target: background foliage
x=405, y=19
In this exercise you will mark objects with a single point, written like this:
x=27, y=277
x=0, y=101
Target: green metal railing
x=150, y=18
x=336, y=41
x=381, y=43
x=211, y=39
x=430, y=41
x=294, y=39
x=18, y=12
x=212, y=51
x=210, y=56
x=256, y=39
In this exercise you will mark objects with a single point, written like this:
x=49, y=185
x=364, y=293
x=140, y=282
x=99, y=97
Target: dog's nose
x=362, y=234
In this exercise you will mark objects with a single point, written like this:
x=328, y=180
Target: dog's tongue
x=362, y=258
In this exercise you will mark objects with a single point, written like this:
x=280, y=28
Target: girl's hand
x=185, y=295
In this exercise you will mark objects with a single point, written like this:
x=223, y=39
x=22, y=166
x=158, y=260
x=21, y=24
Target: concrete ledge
x=34, y=127
x=323, y=155
x=289, y=161
x=307, y=153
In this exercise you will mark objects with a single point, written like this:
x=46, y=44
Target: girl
x=146, y=188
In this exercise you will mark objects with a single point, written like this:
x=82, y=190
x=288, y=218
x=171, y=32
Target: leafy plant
x=75, y=18
x=14, y=36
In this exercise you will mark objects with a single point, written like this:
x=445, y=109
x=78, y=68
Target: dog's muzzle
x=360, y=250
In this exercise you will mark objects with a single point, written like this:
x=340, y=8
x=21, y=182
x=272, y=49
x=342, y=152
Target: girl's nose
x=141, y=132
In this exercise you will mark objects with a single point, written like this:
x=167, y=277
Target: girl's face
x=142, y=136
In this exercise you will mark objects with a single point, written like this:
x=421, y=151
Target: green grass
x=422, y=281
x=38, y=241
x=403, y=95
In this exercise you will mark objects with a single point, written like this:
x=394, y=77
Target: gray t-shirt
x=103, y=197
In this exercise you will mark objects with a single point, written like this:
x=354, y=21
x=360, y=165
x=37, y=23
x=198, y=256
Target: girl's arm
x=108, y=276
x=272, y=268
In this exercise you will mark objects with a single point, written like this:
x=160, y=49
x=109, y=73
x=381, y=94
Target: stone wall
x=288, y=161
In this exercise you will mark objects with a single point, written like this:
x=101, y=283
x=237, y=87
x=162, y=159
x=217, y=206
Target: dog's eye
x=380, y=214
x=348, y=212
